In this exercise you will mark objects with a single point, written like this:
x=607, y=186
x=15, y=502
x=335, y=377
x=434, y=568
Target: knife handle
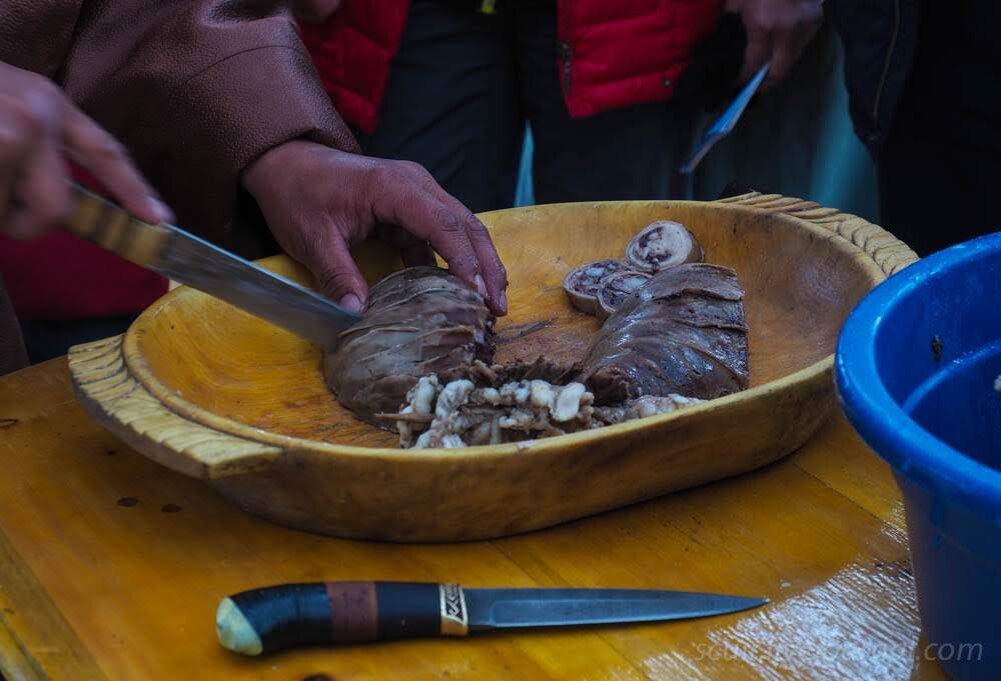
x=278, y=618
x=110, y=226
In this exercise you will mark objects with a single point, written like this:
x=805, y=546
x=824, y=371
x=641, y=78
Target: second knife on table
x=277, y=618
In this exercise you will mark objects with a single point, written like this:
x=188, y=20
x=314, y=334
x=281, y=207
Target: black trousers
x=942, y=161
x=47, y=340
x=462, y=88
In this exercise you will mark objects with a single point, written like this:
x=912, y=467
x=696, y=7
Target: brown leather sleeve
x=197, y=89
x=12, y=354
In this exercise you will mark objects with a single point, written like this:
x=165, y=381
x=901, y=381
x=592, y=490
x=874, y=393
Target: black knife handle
x=277, y=618
x=109, y=226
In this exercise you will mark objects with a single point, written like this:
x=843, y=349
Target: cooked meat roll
x=581, y=284
x=660, y=245
x=682, y=333
x=420, y=321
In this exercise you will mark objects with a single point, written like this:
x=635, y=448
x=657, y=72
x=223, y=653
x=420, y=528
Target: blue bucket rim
x=880, y=421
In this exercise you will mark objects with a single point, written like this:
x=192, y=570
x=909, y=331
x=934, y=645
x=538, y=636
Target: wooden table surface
x=111, y=567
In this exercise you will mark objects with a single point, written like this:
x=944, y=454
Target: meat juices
x=420, y=321
x=581, y=284
x=683, y=333
x=660, y=245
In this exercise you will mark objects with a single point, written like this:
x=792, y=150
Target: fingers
x=18, y=134
x=412, y=205
x=785, y=51
x=37, y=126
x=777, y=31
x=34, y=197
x=362, y=193
x=461, y=239
x=97, y=151
x=490, y=266
x=788, y=43
x=315, y=11
x=43, y=194
x=337, y=275
x=757, y=52
x=431, y=214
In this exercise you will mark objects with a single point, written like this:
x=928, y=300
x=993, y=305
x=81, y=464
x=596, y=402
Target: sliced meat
x=581, y=284
x=662, y=244
x=617, y=287
x=420, y=321
x=683, y=333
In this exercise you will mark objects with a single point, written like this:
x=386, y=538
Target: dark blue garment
x=880, y=38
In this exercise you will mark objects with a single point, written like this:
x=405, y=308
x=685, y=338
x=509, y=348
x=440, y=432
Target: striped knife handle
x=278, y=618
x=99, y=221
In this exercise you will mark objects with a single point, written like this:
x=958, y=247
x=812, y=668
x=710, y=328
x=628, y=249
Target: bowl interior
x=800, y=286
x=938, y=348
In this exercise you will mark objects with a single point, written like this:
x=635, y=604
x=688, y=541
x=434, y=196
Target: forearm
x=198, y=89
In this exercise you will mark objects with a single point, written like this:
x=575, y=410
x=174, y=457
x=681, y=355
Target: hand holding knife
x=288, y=616
x=185, y=258
x=725, y=124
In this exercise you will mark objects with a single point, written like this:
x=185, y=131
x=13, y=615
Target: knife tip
x=741, y=603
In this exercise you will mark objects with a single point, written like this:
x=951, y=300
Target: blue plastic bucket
x=916, y=365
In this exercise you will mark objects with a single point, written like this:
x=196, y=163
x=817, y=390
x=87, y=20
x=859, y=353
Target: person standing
x=924, y=80
x=451, y=84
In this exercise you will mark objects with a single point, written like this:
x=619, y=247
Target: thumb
x=756, y=53
x=337, y=275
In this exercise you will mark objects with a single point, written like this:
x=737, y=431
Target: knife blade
x=190, y=260
x=725, y=124
x=276, y=618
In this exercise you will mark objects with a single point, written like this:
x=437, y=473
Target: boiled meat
x=682, y=333
x=420, y=321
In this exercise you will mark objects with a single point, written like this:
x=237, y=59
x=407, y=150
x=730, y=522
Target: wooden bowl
x=215, y=393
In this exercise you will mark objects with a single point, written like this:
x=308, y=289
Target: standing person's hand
x=319, y=201
x=777, y=31
x=39, y=129
x=315, y=11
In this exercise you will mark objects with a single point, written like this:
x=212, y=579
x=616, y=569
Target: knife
x=727, y=121
x=185, y=258
x=277, y=618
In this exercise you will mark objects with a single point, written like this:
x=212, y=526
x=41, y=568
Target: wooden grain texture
x=124, y=562
x=37, y=637
x=192, y=366
x=120, y=400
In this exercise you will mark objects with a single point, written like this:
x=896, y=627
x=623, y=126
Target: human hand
x=314, y=11
x=777, y=31
x=320, y=201
x=39, y=129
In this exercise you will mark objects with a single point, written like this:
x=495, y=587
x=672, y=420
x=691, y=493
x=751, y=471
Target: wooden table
x=111, y=567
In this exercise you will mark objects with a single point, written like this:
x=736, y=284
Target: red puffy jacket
x=611, y=54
